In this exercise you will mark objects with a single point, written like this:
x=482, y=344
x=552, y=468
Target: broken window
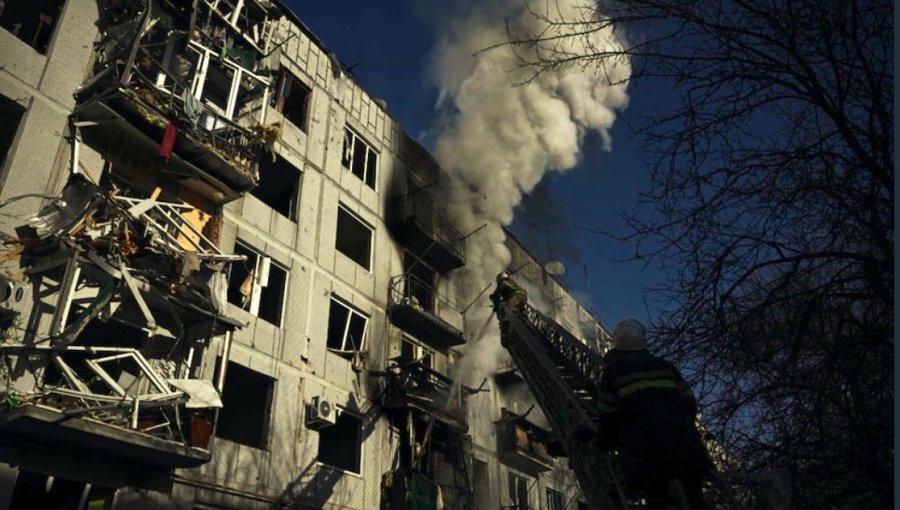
x=354, y=238
x=292, y=99
x=411, y=350
x=246, y=400
x=31, y=21
x=554, y=500
x=340, y=445
x=279, y=186
x=419, y=282
x=518, y=492
x=224, y=85
x=11, y=114
x=359, y=157
x=346, y=327
x=258, y=285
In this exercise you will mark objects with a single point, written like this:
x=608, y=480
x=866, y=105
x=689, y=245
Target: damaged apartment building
x=225, y=279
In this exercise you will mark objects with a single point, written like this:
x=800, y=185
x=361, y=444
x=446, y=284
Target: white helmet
x=629, y=335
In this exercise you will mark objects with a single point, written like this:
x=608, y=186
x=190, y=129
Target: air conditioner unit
x=15, y=296
x=320, y=413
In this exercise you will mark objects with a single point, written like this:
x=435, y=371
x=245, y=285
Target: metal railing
x=420, y=206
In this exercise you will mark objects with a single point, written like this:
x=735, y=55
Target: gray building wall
x=295, y=354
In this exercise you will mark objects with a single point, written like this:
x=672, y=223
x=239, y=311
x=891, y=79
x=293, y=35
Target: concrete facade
x=286, y=470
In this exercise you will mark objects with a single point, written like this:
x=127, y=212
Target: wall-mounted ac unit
x=320, y=413
x=15, y=296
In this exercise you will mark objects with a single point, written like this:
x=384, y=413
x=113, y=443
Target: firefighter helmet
x=629, y=335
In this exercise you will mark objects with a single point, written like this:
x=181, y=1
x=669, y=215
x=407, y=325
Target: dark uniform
x=648, y=412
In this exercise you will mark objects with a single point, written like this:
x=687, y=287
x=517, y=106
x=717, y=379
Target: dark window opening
x=31, y=21
x=292, y=99
x=359, y=157
x=518, y=492
x=271, y=299
x=346, y=328
x=554, y=500
x=419, y=282
x=411, y=351
x=279, y=186
x=240, y=282
x=340, y=445
x=11, y=114
x=354, y=238
x=246, y=400
x=217, y=87
x=258, y=285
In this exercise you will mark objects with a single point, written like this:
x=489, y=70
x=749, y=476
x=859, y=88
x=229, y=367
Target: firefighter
x=509, y=292
x=648, y=413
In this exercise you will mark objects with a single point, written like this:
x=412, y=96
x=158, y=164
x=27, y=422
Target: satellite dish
x=554, y=268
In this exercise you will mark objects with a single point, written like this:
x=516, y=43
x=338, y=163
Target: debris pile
x=126, y=294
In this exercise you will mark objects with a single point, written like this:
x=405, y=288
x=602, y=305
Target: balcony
x=417, y=308
x=522, y=444
x=126, y=412
x=409, y=385
x=424, y=231
x=195, y=82
x=508, y=374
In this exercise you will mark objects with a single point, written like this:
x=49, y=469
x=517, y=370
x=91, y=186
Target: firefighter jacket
x=510, y=293
x=648, y=411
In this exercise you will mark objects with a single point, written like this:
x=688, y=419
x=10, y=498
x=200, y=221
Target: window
x=354, y=238
x=359, y=157
x=419, y=282
x=554, y=500
x=410, y=350
x=258, y=285
x=518, y=492
x=31, y=21
x=340, y=445
x=292, y=99
x=246, y=400
x=11, y=114
x=279, y=186
x=346, y=328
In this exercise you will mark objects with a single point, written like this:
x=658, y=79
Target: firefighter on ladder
x=648, y=413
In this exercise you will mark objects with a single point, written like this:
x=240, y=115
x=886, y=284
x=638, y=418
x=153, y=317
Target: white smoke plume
x=504, y=132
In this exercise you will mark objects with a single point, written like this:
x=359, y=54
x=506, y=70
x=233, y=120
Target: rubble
x=139, y=265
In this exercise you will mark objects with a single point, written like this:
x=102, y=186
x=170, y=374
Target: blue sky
x=388, y=45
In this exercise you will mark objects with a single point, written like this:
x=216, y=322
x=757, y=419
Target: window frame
x=371, y=229
x=277, y=97
x=256, y=291
x=334, y=299
x=351, y=148
x=419, y=351
x=552, y=493
x=360, y=451
x=265, y=436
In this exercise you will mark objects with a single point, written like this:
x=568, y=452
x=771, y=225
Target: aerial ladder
x=563, y=374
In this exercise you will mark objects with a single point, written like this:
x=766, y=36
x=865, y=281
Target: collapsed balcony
x=522, y=444
x=427, y=233
x=412, y=386
x=416, y=307
x=127, y=414
x=118, y=304
x=184, y=85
